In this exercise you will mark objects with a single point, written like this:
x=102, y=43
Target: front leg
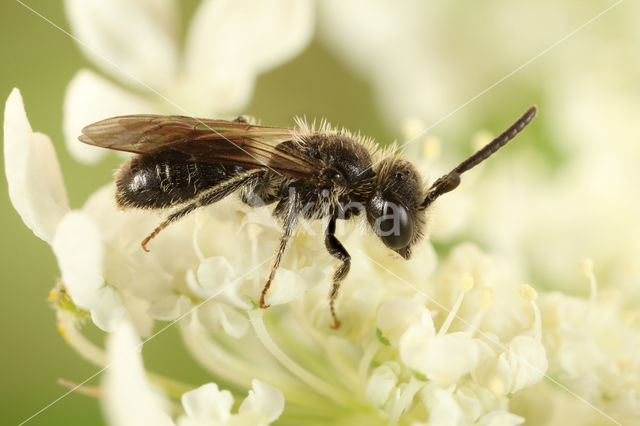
x=337, y=250
x=289, y=224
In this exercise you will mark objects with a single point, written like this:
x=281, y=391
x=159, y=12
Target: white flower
x=592, y=346
x=520, y=364
x=39, y=196
x=78, y=247
x=228, y=43
x=130, y=399
x=36, y=189
x=207, y=405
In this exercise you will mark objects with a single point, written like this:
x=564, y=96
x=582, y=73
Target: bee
x=187, y=163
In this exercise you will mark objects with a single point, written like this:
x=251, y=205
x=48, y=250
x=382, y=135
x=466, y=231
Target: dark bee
x=189, y=163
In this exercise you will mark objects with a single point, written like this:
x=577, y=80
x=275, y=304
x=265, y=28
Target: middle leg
x=289, y=224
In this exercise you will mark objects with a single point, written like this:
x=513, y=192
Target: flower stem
x=68, y=327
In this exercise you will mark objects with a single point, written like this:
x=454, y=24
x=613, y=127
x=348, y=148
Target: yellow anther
x=411, y=127
x=254, y=230
x=63, y=333
x=586, y=266
x=52, y=296
x=497, y=386
x=431, y=148
x=528, y=292
x=467, y=282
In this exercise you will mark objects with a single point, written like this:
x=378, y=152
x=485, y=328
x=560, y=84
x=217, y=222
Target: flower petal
x=417, y=335
x=129, y=398
x=36, y=188
x=91, y=98
x=443, y=359
x=397, y=314
x=289, y=285
x=229, y=42
x=382, y=382
x=442, y=407
x=170, y=307
x=495, y=374
x=133, y=40
x=500, y=418
x=265, y=399
x=208, y=404
x=108, y=311
x=215, y=274
x=78, y=246
x=528, y=361
x=216, y=316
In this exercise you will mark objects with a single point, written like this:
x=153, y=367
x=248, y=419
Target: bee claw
x=262, y=304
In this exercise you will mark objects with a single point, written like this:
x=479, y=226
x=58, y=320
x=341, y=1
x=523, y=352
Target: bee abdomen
x=165, y=180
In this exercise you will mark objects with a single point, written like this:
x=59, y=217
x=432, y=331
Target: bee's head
x=393, y=211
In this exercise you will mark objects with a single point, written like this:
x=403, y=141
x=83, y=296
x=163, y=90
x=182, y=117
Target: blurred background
x=567, y=190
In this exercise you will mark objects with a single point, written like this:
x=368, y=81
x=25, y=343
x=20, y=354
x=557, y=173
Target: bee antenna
x=451, y=180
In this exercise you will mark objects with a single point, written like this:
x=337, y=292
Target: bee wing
x=204, y=140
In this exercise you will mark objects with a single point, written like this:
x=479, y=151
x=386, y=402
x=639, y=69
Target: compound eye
x=395, y=226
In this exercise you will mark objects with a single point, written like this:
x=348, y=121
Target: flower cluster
x=417, y=342
x=452, y=341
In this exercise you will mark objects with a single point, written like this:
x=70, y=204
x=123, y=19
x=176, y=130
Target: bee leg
x=337, y=250
x=289, y=224
x=209, y=196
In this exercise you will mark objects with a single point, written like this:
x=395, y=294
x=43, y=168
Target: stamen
x=92, y=391
x=529, y=293
x=466, y=284
x=67, y=328
x=586, y=265
x=63, y=333
x=486, y=299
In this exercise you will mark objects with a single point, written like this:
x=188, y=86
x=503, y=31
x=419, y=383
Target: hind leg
x=210, y=196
